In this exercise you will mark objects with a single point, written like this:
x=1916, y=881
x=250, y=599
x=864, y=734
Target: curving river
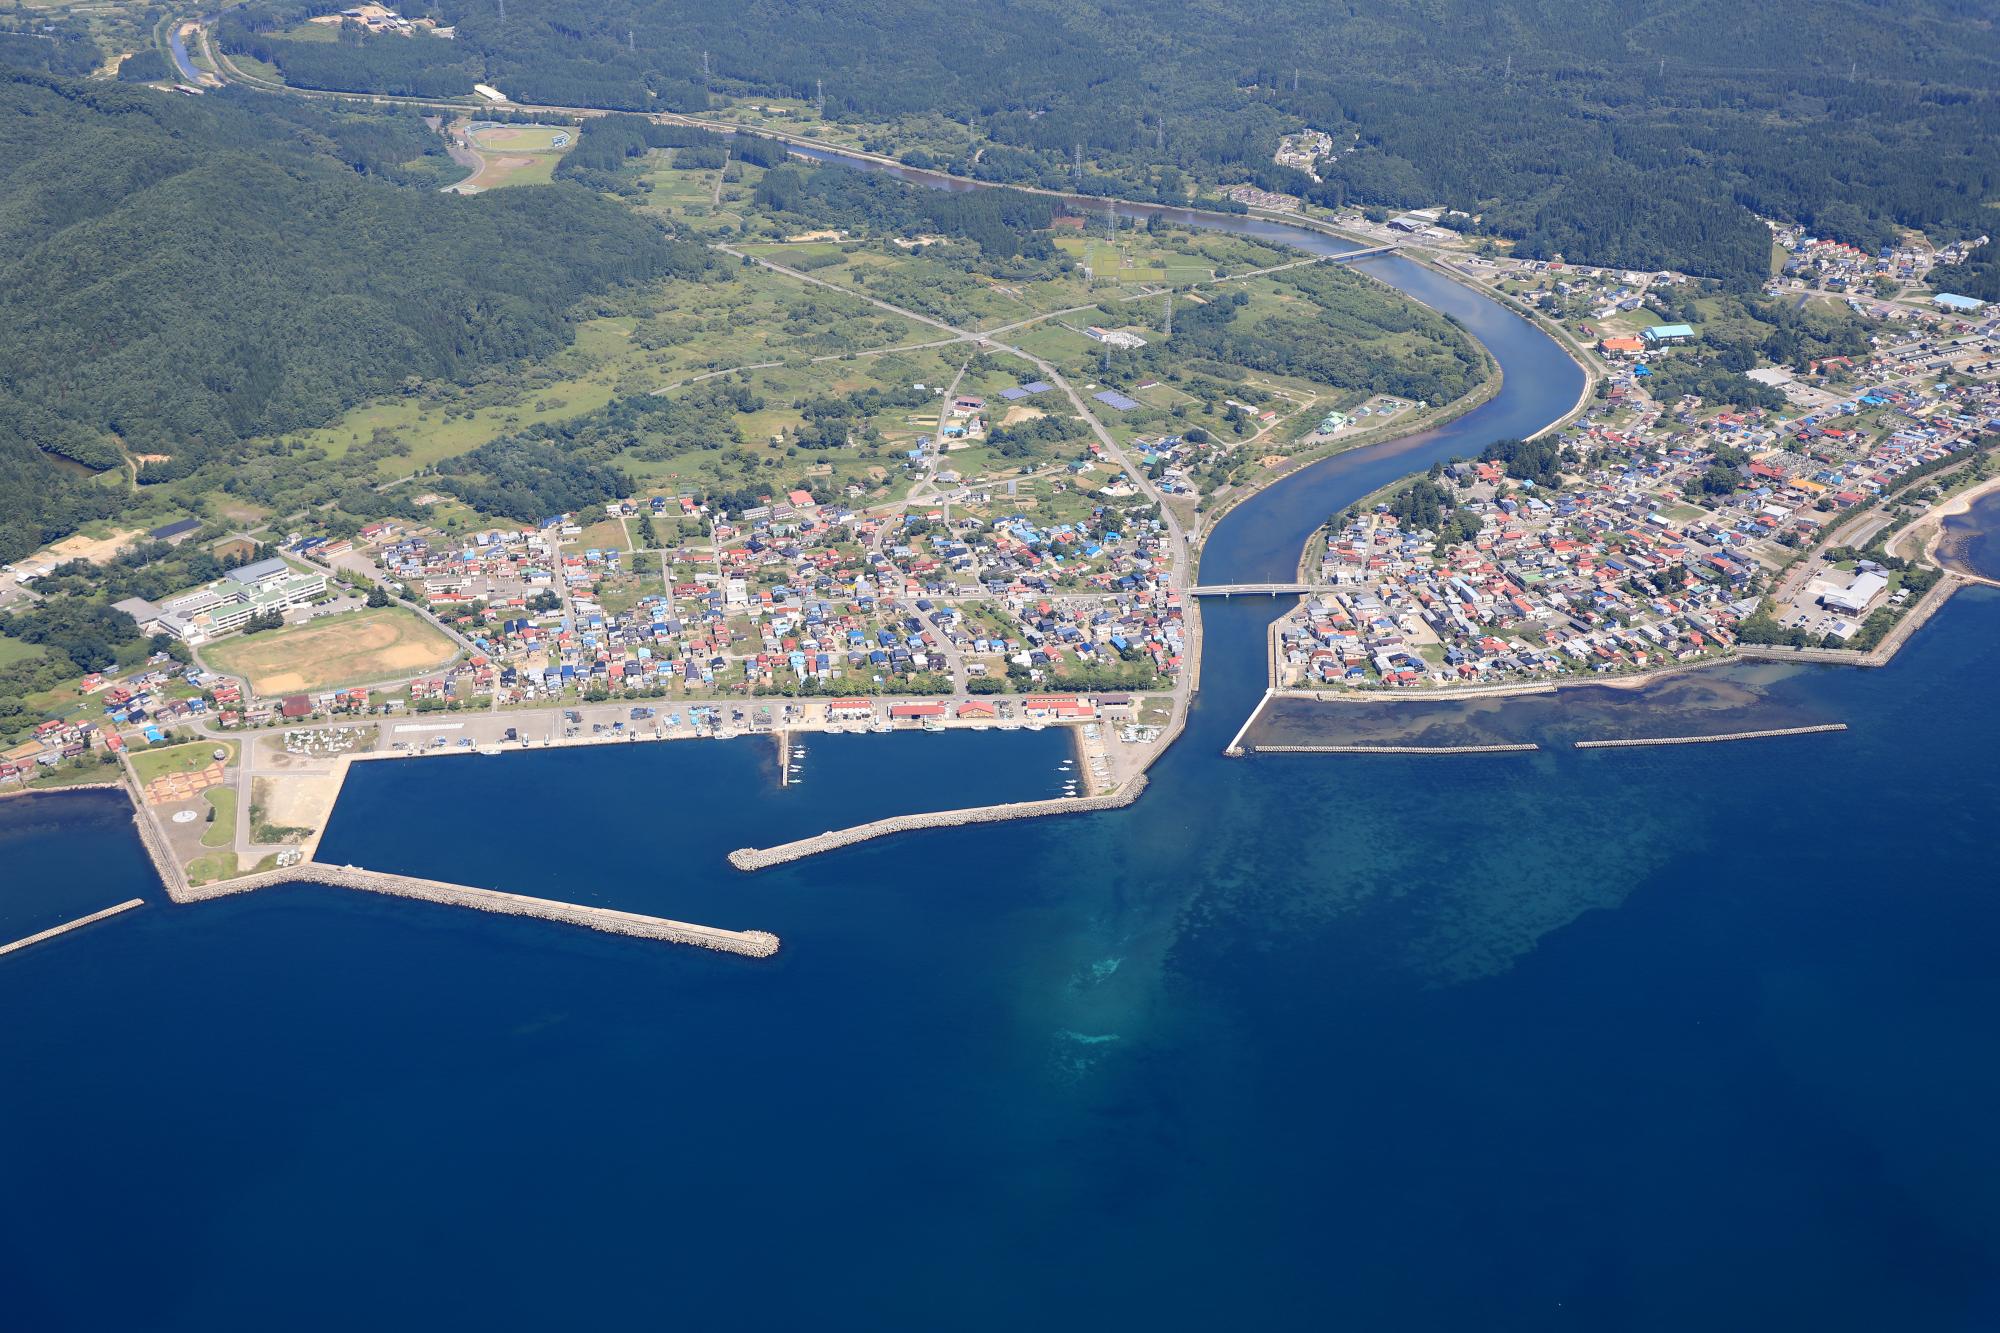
x=1637, y=1040
x=1260, y=540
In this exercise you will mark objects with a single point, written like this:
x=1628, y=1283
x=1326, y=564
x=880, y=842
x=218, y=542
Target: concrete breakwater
x=1708, y=740
x=750, y=943
x=1395, y=749
x=762, y=858
x=68, y=926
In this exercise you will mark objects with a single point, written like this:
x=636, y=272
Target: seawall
x=762, y=858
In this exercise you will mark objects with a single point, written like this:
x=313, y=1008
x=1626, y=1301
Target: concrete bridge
x=1363, y=254
x=1256, y=589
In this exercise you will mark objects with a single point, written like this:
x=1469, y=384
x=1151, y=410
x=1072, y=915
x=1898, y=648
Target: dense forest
x=1638, y=135
x=1004, y=223
x=179, y=275
x=47, y=45
x=606, y=145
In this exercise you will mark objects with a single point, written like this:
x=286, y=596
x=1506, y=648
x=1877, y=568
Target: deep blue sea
x=1661, y=1039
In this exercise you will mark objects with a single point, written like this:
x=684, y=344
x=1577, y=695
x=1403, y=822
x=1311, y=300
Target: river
x=1635, y=1040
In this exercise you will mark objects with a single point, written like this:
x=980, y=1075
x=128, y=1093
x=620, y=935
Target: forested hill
x=1623, y=131
x=178, y=275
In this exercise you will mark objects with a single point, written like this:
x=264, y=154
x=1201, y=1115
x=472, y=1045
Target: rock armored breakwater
x=749, y=943
x=762, y=858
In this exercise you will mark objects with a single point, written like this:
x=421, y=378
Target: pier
x=1710, y=740
x=68, y=926
x=763, y=858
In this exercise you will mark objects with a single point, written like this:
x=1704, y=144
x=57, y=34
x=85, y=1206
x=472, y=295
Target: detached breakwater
x=68, y=926
x=762, y=858
x=1710, y=740
x=1521, y=748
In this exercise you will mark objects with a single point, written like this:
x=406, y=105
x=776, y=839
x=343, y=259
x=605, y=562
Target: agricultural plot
x=334, y=651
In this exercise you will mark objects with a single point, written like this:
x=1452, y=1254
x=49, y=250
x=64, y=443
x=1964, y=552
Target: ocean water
x=1652, y=1039
x=1972, y=539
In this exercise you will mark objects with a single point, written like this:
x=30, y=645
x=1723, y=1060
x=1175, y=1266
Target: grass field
x=208, y=869
x=350, y=649
x=15, y=650
x=151, y=764
x=515, y=155
x=221, y=833
x=686, y=329
x=523, y=138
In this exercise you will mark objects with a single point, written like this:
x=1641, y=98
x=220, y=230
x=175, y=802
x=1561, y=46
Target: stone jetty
x=762, y=858
x=1709, y=740
x=68, y=926
x=1394, y=749
x=750, y=943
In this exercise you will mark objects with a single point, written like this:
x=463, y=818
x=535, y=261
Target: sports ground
x=352, y=649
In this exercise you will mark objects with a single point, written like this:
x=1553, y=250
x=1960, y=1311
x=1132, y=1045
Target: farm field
x=350, y=649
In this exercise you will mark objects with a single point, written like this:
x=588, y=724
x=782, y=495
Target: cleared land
x=324, y=654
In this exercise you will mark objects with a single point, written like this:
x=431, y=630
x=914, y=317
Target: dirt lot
x=94, y=549
x=338, y=650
